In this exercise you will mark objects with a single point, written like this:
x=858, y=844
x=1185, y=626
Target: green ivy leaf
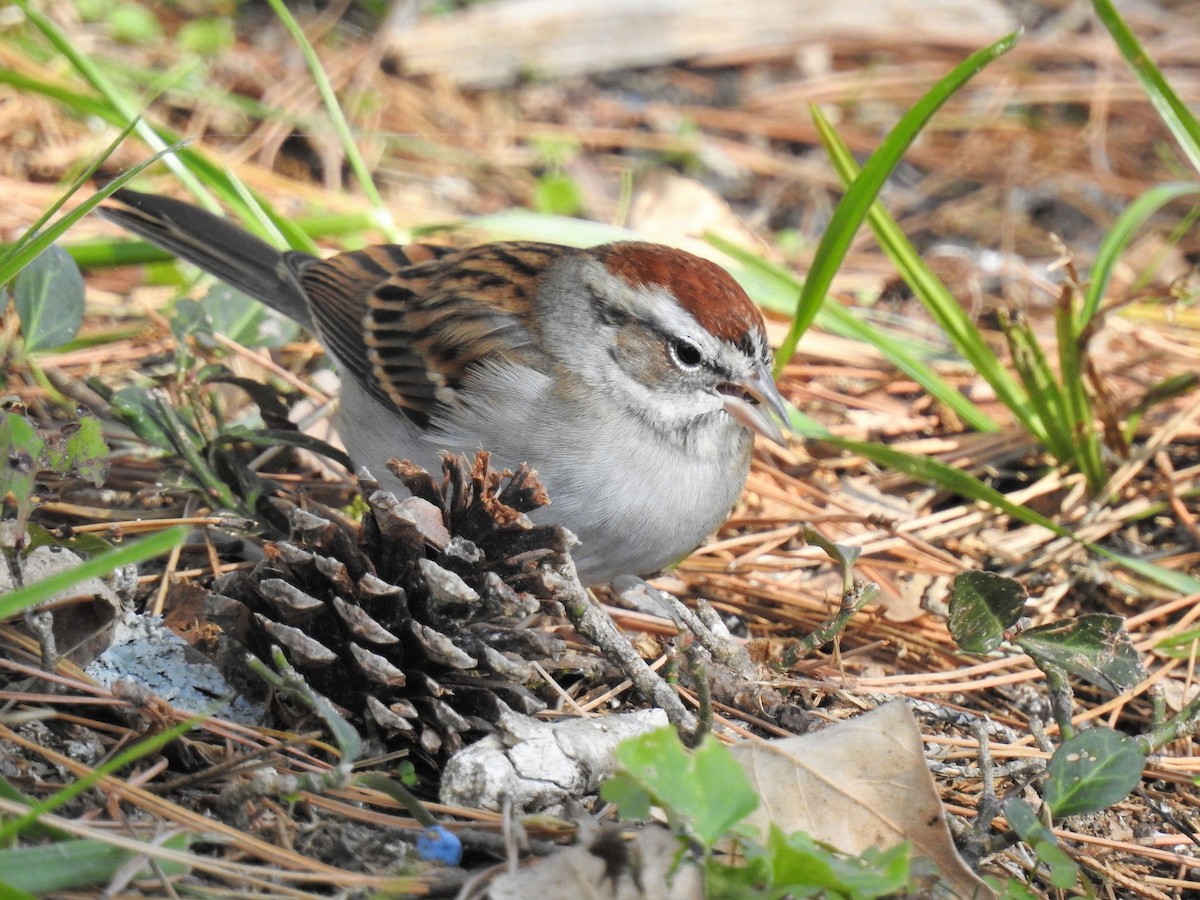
x=704, y=789
x=983, y=606
x=1092, y=771
x=1094, y=647
x=86, y=450
x=49, y=297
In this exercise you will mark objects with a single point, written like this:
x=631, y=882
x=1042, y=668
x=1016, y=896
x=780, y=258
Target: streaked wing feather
x=425, y=328
x=338, y=288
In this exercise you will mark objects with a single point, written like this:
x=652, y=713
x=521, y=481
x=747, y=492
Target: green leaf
x=630, y=797
x=559, y=195
x=49, y=298
x=21, y=452
x=86, y=450
x=736, y=882
x=152, y=415
x=1180, y=646
x=705, y=789
x=1094, y=647
x=79, y=449
x=800, y=866
x=845, y=555
x=1024, y=821
x=84, y=544
x=76, y=864
x=207, y=36
x=133, y=24
x=984, y=605
x=1092, y=771
x=139, y=409
x=222, y=310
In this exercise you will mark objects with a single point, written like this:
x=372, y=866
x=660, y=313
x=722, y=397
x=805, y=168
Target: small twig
x=979, y=840
x=1038, y=731
x=41, y=626
x=592, y=622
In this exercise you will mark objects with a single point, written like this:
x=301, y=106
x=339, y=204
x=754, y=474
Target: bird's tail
x=218, y=247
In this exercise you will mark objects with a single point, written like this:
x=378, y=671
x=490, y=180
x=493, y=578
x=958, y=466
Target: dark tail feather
x=218, y=247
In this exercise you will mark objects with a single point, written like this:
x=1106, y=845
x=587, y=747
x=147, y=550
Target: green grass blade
x=1045, y=398
x=98, y=566
x=1118, y=237
x=1084, y=435
x=1173, y=111
x=201, y=176
x=31, y=244
x=941, y=304
x=835, y=318
x=898, y=351
x=120, y=101
x=860, y=195
x=64, y=96
x=338, y=118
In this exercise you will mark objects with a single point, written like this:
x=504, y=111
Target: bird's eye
x=686, y=353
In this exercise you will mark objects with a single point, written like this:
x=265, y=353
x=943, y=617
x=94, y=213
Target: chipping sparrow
x=630, y=375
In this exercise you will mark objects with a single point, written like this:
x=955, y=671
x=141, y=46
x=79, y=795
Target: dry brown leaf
x=859, y=784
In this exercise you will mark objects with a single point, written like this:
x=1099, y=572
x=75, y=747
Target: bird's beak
x=749, y=399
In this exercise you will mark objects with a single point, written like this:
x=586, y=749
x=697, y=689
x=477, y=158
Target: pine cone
x=417, y=623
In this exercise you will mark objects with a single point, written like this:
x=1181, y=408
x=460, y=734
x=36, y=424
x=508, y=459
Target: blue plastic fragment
x=438, y=845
